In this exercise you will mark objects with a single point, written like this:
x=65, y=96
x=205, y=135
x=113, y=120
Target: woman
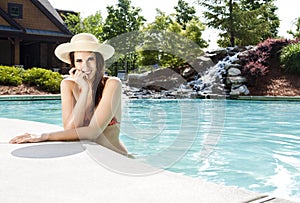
x=91, y=102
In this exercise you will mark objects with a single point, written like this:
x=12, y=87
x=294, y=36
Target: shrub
x=257, y=62
x=11, y=75
x=290, y=58
x=43, y=79
x=255, y=69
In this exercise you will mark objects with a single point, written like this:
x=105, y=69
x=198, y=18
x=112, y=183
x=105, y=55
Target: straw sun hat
x=83, y=42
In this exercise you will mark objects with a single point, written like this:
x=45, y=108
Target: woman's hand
x=80, y=78
x=28, y=137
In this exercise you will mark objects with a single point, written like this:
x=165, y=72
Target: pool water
x=247, y=144
x=48, y=111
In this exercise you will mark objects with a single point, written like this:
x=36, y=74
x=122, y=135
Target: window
x=15, y=10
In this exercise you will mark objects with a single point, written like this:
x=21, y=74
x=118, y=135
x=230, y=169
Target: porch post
x=17, y=51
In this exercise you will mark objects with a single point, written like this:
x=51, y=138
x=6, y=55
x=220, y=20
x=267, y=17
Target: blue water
x=41, y=111
x=247, y=144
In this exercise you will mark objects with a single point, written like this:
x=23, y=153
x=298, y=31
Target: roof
x=51, y=13
x=51, y=10
x=47, y=9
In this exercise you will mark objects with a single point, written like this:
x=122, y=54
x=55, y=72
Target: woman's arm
x=109, y=105
x=105, y=111
x=73, y=112
x=82, y=133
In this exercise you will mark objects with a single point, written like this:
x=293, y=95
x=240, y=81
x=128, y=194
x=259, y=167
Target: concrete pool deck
x=68, y=172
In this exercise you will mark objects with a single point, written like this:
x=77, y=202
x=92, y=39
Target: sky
x=288, y=11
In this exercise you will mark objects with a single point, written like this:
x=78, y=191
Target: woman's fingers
x=72, y=71
x=84, y=76
x=16, y=139
x=80, y=77
x=27, y=137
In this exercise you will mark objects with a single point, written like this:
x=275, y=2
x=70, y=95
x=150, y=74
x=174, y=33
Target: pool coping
x=269, y=98
x=58, y=97
x=29, y=97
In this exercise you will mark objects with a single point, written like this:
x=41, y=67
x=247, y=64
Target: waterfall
x=214, y=80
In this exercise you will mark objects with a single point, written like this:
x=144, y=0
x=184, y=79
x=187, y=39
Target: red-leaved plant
x=256, y=62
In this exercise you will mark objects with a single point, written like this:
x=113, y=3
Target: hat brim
x=63, y=51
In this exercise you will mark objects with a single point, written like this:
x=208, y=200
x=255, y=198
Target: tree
x=153, y=36
x=267, y=11
x=171, y=41
x=91, y=24
x=296, y=33
x=94, y=24
x=73, y=22
x=184, y=13
x=241, y=22
x=251, y=28
x=194, y=29
x=122, y=18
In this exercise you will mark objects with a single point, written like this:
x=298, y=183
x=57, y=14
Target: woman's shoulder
x=68, y=78
x=112, y=83
x=68, y=82
x=113, y=79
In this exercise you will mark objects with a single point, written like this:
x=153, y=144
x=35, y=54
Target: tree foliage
x=289, y=58
x=170, y=38
x=122, y=18
x=184, y=13
x=267, y=13
x=73, y=22
x=242, y=22
x=153, y=36
x=91, y=24
x=296, y=33
x=193, y=32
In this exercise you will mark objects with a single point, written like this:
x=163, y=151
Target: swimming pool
x=253, y=145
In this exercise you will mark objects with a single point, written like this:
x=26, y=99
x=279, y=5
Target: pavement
x=85, y=172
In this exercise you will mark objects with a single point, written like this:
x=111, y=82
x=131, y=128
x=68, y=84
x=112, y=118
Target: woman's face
x=85, y=61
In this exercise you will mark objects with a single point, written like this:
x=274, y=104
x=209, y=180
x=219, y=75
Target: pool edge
x=58, y=97
x=29, y=97
x=268, y=98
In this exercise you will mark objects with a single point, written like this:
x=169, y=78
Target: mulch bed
x=276, y=83
x=21, y=90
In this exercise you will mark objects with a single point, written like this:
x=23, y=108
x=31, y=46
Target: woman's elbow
x=89, y=133
x=68, y=126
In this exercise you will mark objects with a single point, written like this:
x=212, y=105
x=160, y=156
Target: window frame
x=15, y=10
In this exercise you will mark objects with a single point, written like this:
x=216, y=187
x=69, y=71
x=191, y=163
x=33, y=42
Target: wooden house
x=30, y=30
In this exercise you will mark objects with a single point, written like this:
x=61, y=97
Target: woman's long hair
x=100, y=79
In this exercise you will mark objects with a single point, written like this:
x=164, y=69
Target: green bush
x=290, y=58
x=43, y=79
x=11, y=75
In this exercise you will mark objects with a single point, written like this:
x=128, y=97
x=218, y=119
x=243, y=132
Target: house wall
x=33, y=18
x=3, y=22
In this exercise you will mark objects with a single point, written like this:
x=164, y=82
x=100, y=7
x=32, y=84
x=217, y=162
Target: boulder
x=234, y=72
x=160, y=79
x=235, y=80
x=202, y=63
x=167, y=78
